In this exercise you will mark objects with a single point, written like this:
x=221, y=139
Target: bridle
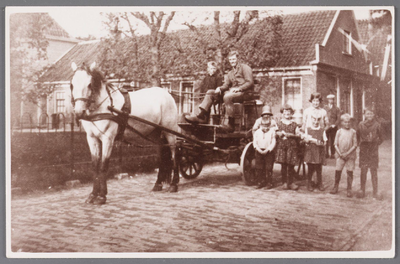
x=89, y=100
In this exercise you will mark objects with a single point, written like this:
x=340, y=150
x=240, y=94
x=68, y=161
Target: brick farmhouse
x=319, y=53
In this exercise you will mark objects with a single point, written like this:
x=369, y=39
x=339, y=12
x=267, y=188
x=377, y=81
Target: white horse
x=91, y=96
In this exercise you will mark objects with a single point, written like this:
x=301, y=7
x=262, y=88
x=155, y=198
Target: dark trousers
x=374, y=179
x=229, y=99
x=315, y=168
x=288, y=172
x=331, y=134
x=264, y=166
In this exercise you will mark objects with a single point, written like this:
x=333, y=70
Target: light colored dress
x=320, y=112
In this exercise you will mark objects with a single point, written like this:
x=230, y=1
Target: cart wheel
x=247, y=165
x=190, y=167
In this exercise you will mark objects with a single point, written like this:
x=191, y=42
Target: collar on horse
x=120, y=119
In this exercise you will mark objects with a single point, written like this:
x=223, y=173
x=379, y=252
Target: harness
x=126, y=108
x=121, y=119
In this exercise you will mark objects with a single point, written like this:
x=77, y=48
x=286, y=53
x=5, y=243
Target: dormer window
x=346, y=42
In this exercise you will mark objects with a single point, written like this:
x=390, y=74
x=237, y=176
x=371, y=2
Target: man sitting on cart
x=237, y=83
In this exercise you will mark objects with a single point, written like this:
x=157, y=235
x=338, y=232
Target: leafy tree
x=126, y=51
x=255, y=35
x=143, y=61
x=28, y=57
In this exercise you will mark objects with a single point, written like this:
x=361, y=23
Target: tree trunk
x=155, y=60
x=219, y=58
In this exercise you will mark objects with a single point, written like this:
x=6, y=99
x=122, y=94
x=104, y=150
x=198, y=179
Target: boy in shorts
x=345, y=146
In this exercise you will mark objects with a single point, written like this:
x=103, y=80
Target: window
x=187, y=101
x=347, y=42
x=346, y=102
x=60, y=102
x=345, y=97
x=292, y=93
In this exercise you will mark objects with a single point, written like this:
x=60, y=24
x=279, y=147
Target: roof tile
x=300, y=33
x=55, y=29
x=61, y=70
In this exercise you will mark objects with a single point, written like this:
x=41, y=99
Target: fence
x=55, y=150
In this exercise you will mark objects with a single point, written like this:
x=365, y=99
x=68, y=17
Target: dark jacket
x=370, y=132
x=240, y=77
x=333, y=115
x=211, y=82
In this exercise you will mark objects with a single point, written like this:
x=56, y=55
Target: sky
x=84, y=21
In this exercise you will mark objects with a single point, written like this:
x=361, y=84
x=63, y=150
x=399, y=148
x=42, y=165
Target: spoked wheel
x=190, y=167
x=248, y=164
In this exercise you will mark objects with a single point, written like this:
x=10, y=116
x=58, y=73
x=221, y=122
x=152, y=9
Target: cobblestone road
x=215, y=212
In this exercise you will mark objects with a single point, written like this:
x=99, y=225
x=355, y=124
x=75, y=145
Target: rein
x=100, y=116
x=120, y=118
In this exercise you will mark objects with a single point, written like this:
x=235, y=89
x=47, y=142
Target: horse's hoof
x=157, y=188
x=173, y=188
x=99, y=200
x=91, y=198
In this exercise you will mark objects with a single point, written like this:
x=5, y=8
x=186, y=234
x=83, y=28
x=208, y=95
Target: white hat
x=331, y=96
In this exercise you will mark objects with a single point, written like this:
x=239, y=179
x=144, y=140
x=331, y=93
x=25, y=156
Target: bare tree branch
x=235, y=24
x=217, y=26
x=159, y=20
x=169, y=18
x=166, y=25
x=152, y=15
x=132, y=31
x=142, y=17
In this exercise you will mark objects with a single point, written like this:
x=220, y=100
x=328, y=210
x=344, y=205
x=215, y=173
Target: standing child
x=314, y=154
x=264, y=142
x=369, y=135
x=287, y=146
x=315, y=109
x=345, y=146
x=265, y=110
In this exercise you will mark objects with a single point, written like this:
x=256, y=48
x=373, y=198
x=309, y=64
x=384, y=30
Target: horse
x=91, y=95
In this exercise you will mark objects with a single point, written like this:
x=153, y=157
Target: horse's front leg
x=107, y=147
x=95, y=151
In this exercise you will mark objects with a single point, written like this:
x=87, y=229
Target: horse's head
x=85, y=84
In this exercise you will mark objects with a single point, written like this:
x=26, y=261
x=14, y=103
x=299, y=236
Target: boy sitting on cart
x=264, y=141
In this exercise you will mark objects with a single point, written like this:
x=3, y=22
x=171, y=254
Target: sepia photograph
x=200, y=132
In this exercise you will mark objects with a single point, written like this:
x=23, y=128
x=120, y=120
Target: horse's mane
x=97, y=77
